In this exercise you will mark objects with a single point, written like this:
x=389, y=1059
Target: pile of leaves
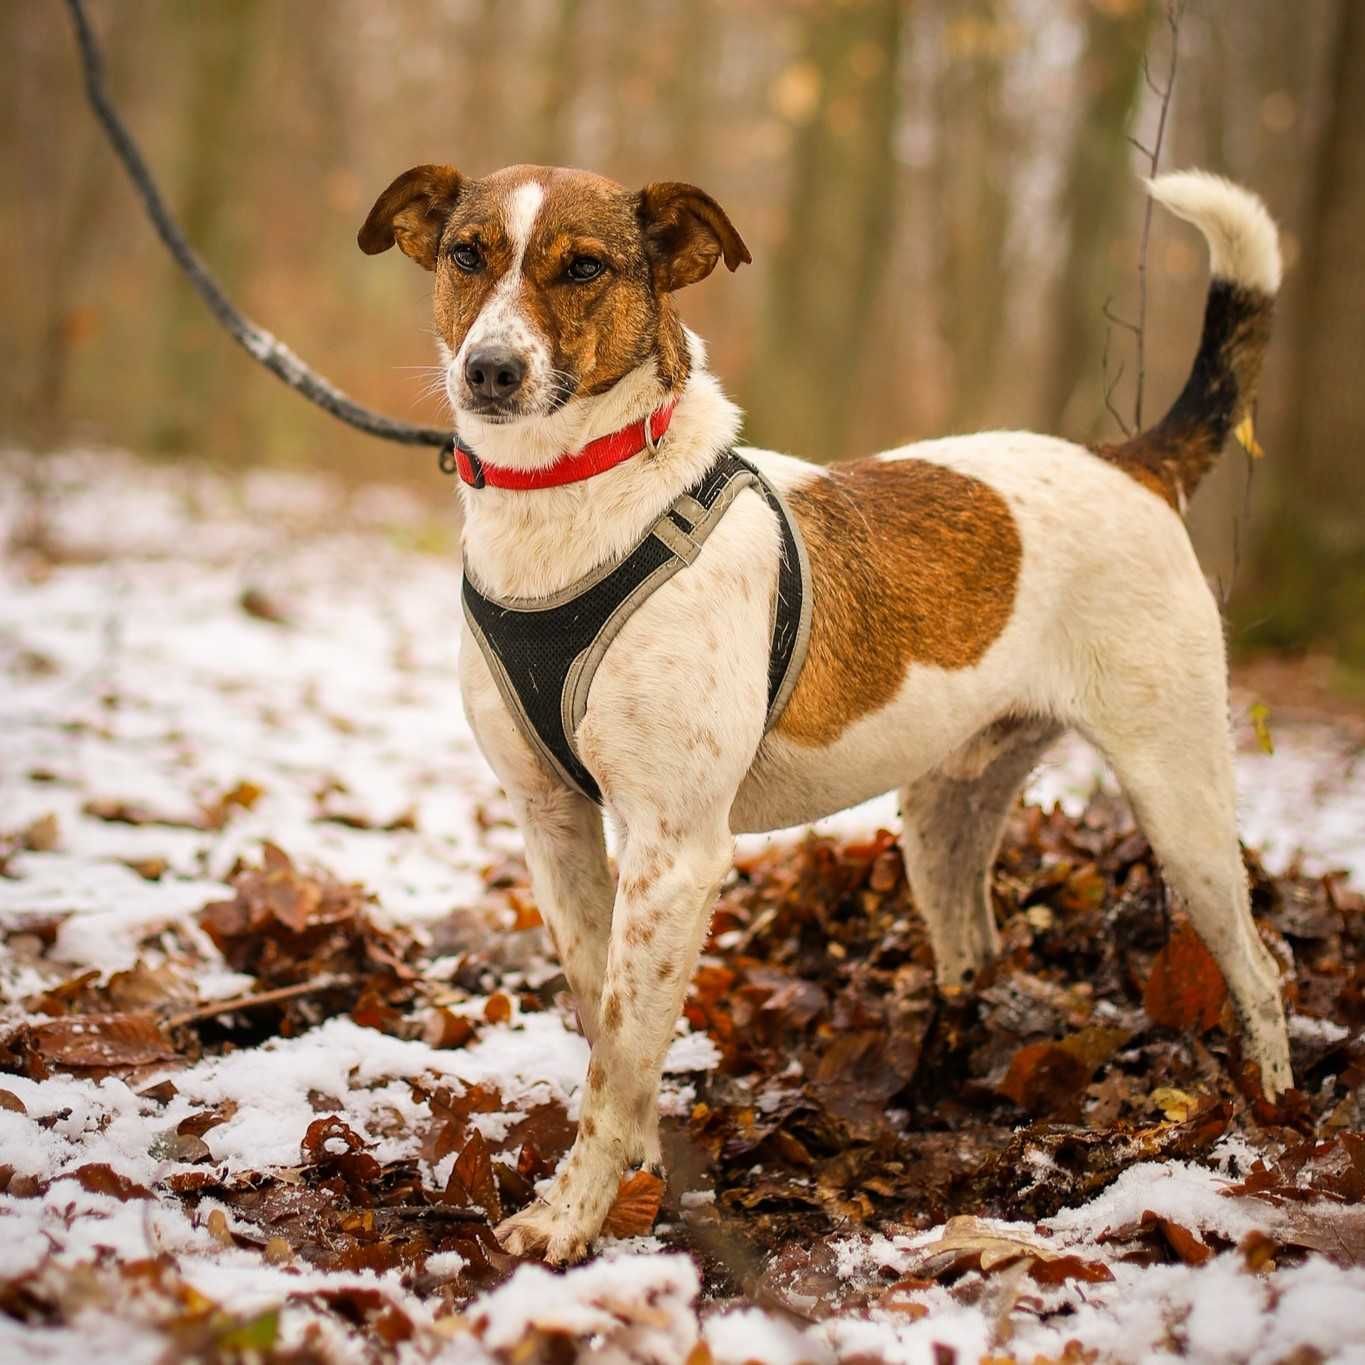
x=850, y=1095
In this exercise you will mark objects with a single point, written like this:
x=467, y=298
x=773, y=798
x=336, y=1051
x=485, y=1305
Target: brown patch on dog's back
x=911, y=562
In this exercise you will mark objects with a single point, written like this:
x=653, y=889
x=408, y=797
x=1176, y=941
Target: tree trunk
x=1310, y=563
x=972, y=192
x=1099, y=189
x=808, y=367
x=220, y=47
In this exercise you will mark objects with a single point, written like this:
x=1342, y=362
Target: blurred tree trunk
x=553, y=139
x=812, y=343
x=972, y=192
x=1310, y=563
x=1098, y=190
x=219, y=42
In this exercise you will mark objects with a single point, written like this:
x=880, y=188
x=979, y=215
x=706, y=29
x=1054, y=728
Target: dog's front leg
x=668, y=880
x=573, y=885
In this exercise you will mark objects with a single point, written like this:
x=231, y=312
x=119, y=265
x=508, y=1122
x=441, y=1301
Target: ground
x=283, y=1036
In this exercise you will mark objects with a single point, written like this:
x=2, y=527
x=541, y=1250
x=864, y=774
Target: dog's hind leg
x=952, y=821
x=1159, y=712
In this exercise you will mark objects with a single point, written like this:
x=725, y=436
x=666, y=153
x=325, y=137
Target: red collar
x=595, y=458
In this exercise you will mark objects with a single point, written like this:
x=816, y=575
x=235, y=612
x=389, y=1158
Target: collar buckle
x=468, y=465
x=651, y=441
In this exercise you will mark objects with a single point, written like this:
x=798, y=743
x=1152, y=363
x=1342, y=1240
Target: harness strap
x=544, y=652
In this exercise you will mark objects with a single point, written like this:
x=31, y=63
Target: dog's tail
x=1244, y=258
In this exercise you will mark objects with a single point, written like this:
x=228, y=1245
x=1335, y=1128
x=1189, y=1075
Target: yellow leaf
x=1177, y=1105
x=1245, y=432
x=1260, y=723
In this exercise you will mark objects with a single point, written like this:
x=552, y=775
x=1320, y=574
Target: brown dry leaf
x=1179, y=1238
x=258, y=603
x=1185, y=990
x=149, y=869
x=472, y=1181
x=242, y=796
x=103, y=1040
x=1070, y=1268
x=100, y=1178
x=636, y=1206
x=1046, y=1079
x=442, y=1028
x=967, y=1241
x=43, y=835
x=9, y=1100
x=498, y=1010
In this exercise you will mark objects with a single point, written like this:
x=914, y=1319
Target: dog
x=971, y=599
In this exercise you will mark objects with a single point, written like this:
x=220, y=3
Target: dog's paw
x=552, y=1233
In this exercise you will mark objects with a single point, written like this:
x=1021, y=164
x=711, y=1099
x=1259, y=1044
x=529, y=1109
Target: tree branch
x=1175, y=12
x=260, y=344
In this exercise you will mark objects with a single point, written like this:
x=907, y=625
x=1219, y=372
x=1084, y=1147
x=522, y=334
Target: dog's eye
x=585, y=268
x=467, y=256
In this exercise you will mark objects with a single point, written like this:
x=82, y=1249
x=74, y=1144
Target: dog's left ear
x=686, y=233
x=412, y=212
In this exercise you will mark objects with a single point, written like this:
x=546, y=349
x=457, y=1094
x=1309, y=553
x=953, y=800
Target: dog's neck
x=531, y=544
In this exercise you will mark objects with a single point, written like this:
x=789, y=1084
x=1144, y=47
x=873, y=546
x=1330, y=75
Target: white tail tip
x=1244, y=244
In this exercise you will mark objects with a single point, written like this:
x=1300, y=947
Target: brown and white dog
x=973, y=598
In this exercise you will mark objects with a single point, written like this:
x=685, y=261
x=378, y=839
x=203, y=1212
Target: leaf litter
x=269, y=1102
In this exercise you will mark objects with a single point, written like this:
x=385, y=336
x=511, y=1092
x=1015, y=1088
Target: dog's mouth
x=501, y=414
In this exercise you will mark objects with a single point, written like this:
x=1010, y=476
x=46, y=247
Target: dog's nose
x=494, y=374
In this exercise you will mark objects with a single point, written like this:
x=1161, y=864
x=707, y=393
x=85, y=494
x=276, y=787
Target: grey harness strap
x=544, y=652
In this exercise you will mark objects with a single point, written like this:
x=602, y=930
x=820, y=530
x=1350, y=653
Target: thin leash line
x=262, y=345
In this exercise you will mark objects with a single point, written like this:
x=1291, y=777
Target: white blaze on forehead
x=522, y=209
x=500, y=323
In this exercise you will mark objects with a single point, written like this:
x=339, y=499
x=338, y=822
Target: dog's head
x=551, y=285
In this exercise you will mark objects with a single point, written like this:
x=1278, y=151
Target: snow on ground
x=141, y=667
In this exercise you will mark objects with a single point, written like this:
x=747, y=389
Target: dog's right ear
x=412, y=212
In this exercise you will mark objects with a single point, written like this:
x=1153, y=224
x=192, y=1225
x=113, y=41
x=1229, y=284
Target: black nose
x=494, y=374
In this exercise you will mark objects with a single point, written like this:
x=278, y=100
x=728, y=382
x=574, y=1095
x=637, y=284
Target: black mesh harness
x=544, y=652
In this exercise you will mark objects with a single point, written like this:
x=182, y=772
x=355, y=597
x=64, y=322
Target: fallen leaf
x=103, y=1040
x=1179, y=1238
x=100, y=1178
x=1046, y=1079
x=1176, y=1105
x=1185, y=990
x=635, y=1207
x=43, y=835
x=471, y=1179
x=1259, y=715
x=1245, y=432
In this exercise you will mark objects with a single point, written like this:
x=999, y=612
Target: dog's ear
x=412, y=212
x=686, y=233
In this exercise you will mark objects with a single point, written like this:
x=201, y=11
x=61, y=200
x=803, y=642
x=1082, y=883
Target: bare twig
x=246, y=1002
x=260, y=344
x=1111, y=316
x=1110, y=385
x=1175, y=12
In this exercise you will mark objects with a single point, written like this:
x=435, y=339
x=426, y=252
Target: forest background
x=941, y=199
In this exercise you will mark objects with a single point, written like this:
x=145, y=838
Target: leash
x=261, y=345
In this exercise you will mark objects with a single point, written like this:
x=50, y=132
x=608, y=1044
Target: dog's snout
x=494, y=374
